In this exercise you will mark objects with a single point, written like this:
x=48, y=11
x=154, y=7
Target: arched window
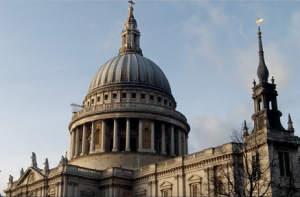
x=270, y=105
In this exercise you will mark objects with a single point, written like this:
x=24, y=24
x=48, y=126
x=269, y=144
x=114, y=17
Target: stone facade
x=129, y=140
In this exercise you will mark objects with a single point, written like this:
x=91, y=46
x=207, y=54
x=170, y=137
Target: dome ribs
x=142, y=70
x=130, y=69
x=97, y=78
x=124, y=71
x=157, y=75
x=104, y=73
x=149, y=71
x=111, y=71
x=133, y=69
x=119, y=69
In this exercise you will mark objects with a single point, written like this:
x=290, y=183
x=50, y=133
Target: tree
x=250, y=169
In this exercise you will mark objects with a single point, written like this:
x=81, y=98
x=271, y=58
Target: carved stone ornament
x=31, y=178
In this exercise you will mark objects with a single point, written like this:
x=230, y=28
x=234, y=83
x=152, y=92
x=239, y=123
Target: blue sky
x=50, y=50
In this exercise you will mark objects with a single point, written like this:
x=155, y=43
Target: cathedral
x=128, y=139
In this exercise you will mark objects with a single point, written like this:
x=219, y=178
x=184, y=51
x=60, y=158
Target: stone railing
x=224, y=149
x=147, y=107
x=89, y=171
x=117, y=171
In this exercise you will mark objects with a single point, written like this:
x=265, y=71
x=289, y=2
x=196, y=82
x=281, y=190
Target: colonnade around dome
x=127, y=135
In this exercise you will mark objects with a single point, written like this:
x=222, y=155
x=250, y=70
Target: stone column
x=152, y=137
x=83, y=152
x=172, y=140
x=179, y=143
x=103, y=129
x=92, y=148
x=127, y=134
x=115, y=141
x=163, y=139
x=77, y=143
x=140, y=135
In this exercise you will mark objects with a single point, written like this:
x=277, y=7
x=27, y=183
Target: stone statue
x=21, y=172
x=46, y=165
x=11, y=179
x=33, y=160
x=62, y=161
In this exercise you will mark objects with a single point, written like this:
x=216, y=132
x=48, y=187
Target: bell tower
x=265, y=95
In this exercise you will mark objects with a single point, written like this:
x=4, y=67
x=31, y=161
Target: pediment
x=87, y=192
x=195, y=178
x=140, y=191
x=29, y=176
x=51, y=191
x=166, y=184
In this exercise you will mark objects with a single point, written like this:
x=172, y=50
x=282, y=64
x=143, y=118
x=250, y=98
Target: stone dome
x=130, y=70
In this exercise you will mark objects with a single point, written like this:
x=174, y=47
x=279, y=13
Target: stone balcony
x=129, y=107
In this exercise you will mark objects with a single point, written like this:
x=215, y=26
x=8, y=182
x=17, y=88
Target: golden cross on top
x=131, y=3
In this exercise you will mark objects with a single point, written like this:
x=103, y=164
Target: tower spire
x=130, y=35
x=290, y=124
x=245, y=129
x=262, y=70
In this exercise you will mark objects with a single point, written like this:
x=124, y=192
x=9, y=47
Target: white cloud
x=208, y=131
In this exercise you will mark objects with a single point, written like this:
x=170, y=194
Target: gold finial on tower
x=130, y=8
x=258, y=21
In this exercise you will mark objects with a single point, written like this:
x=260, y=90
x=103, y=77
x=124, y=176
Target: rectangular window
x=114, y=95
x=92, y=101
x=106, y=97
x=284, y=163
x=133, y=95
x=143, y=96
x=170, y=104
x=98, y=99
x=124, y=95
x=165, y=102
x=166, y=193
x=159, y=99
x=151, y=97
x=195, y=190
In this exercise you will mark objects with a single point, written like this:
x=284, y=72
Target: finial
x=245, y=129
x=254, y=82
x=262, y=70
x=130, y=8
x=258, y=21
x=131, y=3
x=272, y=80
x=290, y=124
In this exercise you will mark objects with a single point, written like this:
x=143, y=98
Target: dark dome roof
x=130, y=69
